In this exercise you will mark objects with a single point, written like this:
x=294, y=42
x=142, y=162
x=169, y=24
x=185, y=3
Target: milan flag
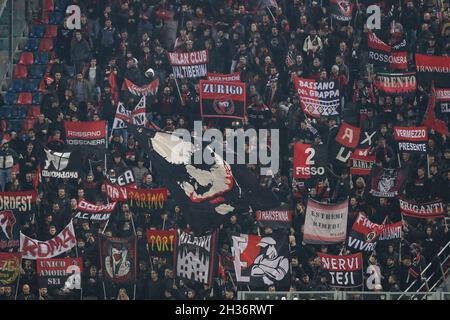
x=207, y=193
x=33, y=249
x=309, y=160
x=387, y=183
x=433, y=68
x=64, y=164
x=341, y=10
x=318, y=98
x=262, y=261
x=189, y=64
x=383, y=55
x=391, y=232
x=135, y=116
x=404, y=84
x=344, y=271
x=220, y=77
x=411, y=139
x=14, y=208
x=430, y=119
x=361, y=162
x=94, y=213
x=91, y=133
x=222, y=99
x=325, y=223
x=150, y=89
x=147, y=199
x=278, y=218
x=118, y=258
x=428, y=210
x=59, y=273
x=443, y=100
x=195, y=257
x=348, y=135
x=161, y=243
x=10, y=264
x=364, y=234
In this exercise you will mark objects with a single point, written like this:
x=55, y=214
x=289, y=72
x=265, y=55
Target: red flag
x=113, y=83
x=221, y=270
x=430, y=119
x=37, y=179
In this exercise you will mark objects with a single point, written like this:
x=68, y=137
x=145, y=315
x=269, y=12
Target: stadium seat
x=28, y=124
x=41, y=58
x=20, y=72
x=49, y=5
x=71, y=71
x=17, y=86
x=5, y=112
x=46, y=45
x=34, y=112
x=56, y=18
x=36, y=71
x=32, y=44
x=32, y=85
x=25, y=98
x=42, y=86
x=26, y=58
x=60, y=5
x=10, y=98
x=51, y=31
x=37, y=32
x=37, y=98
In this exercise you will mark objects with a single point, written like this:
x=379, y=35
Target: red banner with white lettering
x=348, y=135
x=221, y=77
x=426, y=210
x=92, y=133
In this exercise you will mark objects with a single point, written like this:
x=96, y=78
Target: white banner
x=325, y=223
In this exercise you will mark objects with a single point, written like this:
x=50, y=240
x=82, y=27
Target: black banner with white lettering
x=364, y=234
x=189, y=64
x=195, y=257
x=341, y=10
x=278, y=218
x=94, y=213
x=343, y=271
x=411, y=139
x=384, y=56
x=62, y=273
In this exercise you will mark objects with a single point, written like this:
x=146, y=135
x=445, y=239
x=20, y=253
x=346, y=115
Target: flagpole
x=179, y=92
x=18, y=279
x=135, y=235
x=164, y=223
x=273, y=17
x=81, y=287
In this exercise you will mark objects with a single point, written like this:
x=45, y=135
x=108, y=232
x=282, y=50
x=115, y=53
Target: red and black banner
x=10, y=264
x=117, y=187
x=361, y=162
x=411, y=139
x=364, y=234
x=118, y=258
x=348, y=135
x=433, y=68
x=94, y=213
x=59, y=273
x=443, y=100
x=318, y=98
x=341, y=10
x=427, y=210
x=91, y=133
x=344, y=271
x=278, y=218
x=383, y=55
x=147, y=199
x=15, y=207
x=189, y=64
x=222, y=99
x=387, y=183
x=431, y=119
x=309, y=160
x=391, y=232
x=221, y=77
x=150, y=89
x=161, y=243
x=404, y=84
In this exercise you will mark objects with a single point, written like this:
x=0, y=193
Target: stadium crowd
x=267, y=45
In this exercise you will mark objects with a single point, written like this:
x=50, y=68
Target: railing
x=433, y=275
x=341, y=295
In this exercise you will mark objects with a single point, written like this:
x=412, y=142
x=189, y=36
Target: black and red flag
x=364, y=234
x=341, y=10
x=59, y=273
x=430, y=119
x=15, y=208
x=387, y=183
x=262, y=261
x=361, y=162
x=318, y=98
x=383, y=55
x=426, y=210
x=443, y=100
x=149, y=89
x=222, y=99
x=344, y=271
x=404, y=84
x=433, y=68
x=117, y=187
x=88, y=133
x=93, y=212
x=411, y=139
x=277, y=218
x=118, y=258
x=162, y=243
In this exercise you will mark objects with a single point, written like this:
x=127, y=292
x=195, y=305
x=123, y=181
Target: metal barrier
x=341, y=295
